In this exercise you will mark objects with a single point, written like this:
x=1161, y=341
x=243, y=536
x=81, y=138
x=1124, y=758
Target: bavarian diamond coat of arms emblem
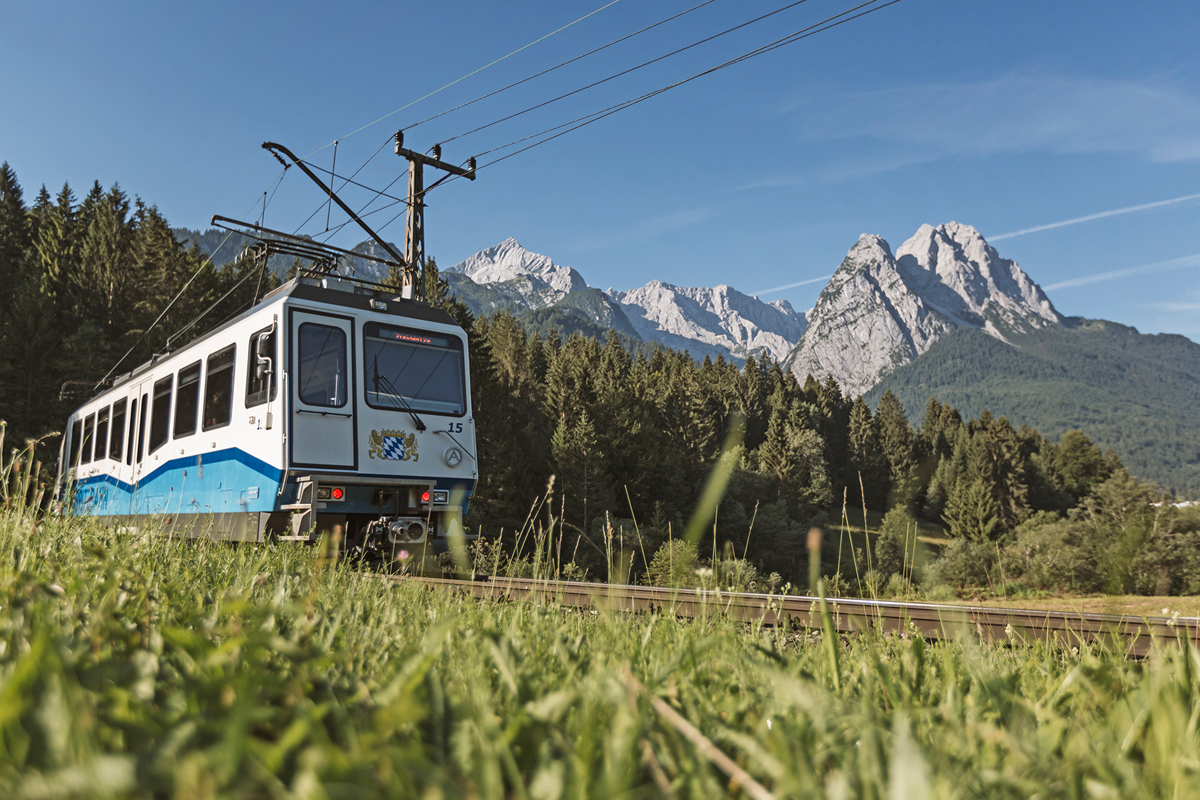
x=393, y=445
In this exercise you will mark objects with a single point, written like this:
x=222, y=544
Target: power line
x=559, y=65
x=580, y=122
x=627, y=71
x=819, y=27
x=498, y=91
x=468, y=75
x=560, y=97
x=596, y=116
x=492, y=94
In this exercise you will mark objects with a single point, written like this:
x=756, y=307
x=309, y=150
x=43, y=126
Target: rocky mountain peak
x=711, y=321
x=881, y=311
x=962, y=275
x=509, y=260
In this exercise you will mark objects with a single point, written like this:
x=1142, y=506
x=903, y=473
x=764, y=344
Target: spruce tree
x=899, y=449
x=867, y=462
x=14, y=233
x=56, y=248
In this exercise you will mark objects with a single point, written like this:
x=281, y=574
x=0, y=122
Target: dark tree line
x=82, y=282
x=635, y=438
x=603, y=435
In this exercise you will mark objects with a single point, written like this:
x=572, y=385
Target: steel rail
x=1131, y=635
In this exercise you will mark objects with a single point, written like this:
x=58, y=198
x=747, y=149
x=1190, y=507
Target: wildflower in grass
x=1008, y=630
x=403, y=555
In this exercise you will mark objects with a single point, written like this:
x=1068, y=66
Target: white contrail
x=1158, y=266
x=793, y=285
x=1090, y=217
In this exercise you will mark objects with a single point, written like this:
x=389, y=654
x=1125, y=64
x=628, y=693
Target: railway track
x=1134, y=636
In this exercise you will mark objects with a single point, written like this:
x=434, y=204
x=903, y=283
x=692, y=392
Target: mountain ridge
x=881, y=311
x=704, y=321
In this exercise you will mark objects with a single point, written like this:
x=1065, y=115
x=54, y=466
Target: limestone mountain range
x=878, y=312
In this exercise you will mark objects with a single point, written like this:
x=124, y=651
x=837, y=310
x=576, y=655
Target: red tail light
x=338, y=494
x=425, y=496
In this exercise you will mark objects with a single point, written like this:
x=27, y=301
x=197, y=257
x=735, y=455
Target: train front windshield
x=408, y=369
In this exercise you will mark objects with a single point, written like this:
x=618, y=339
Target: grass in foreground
x=138, y=666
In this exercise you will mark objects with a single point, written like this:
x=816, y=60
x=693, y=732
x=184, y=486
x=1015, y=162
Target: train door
x=139, y=420
x=321, y=391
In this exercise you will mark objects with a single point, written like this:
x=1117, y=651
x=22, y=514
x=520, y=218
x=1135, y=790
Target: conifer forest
x=608, y=452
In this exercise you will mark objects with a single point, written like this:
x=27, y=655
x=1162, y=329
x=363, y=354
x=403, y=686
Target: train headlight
x=453, y=456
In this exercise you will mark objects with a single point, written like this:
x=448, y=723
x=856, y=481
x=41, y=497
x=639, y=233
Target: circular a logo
x=453, y=456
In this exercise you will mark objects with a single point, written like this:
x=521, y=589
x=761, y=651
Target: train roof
x=330, y=290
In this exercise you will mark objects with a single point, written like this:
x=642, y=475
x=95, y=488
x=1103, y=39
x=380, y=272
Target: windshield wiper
x=395, y=394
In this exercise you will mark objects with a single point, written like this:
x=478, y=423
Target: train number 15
x=455, y=427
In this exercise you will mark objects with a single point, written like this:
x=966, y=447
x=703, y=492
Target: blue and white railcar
x=328, y=407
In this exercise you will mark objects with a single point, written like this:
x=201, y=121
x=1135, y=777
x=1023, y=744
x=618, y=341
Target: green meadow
x=135, y=665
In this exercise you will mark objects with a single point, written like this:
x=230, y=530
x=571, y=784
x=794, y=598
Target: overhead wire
x=624, y=72
x=548, y=102
x=556, y=99
x=579, y=57
x=469, y=75
x=489, y=94
x=266, y=200
x=595, y=116
x=819, y=27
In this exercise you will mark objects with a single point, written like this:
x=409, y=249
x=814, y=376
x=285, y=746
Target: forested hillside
x=1133, y=392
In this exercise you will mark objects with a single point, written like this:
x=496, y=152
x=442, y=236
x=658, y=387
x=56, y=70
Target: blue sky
x=1004, y=115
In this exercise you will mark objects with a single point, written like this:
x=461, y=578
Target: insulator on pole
x=471, y=164
x=437, y=152
x=399, y=141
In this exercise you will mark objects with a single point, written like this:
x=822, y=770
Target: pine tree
x=793, y=457
x=100, y=289
x=867, y=462
x=581, y=471
x=940, y=427
x=835, y=431
x=997, y=459
x=1079, y=464
x=753, y=389
x=899, y=449
x=14, y=233
x=56, y=247
x=971, y=511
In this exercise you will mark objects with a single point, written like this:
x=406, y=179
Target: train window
x=89, y=438
x=260, y=368
x=187, y=401
x=76, y=441
x=160, y=413
x=218, y=389
x=322, y=365
x=101, y=433
x=133, y=407
x=116, y=442
x=412, y=369
x=142, y=428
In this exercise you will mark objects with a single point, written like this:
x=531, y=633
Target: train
x=333, y=406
